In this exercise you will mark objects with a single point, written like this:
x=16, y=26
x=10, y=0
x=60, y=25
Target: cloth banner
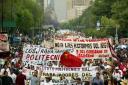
x=36, y=55
x=85, y=48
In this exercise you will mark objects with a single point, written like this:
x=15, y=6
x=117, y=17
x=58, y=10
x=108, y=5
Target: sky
x=60, y=9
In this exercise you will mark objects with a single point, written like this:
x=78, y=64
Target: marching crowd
x=109, y=72
x=106, y=73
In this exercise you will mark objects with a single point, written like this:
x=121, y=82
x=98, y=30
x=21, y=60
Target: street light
x=116, y=36
x=98, y=25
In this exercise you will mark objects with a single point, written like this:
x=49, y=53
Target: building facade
x=75, y=8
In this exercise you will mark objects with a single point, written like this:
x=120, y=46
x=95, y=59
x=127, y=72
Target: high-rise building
x=48, y=3
x=50, y=17
x=75, y=8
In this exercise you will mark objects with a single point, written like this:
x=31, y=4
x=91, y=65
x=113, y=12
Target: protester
x=6, y=80
x=63, y=80
x=47, y=81
x=20, y=79
x=105, y=69
x=5, y=67
x=79, y=82
x=105, y=77
x=117, y=74
x=34, y=79
x=97, y=80
x=13, y=76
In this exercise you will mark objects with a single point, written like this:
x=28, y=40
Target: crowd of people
x=106, y=73
x=109, y=72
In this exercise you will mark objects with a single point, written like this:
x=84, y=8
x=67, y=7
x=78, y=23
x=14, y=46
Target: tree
x=112, y=14
x=120, y=13
x=26, y=13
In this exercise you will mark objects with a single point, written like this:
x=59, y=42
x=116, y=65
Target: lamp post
x=116, y=36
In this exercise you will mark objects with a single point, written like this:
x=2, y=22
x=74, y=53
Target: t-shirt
x=34, y=80
x=13, y=76
x=20, y=79
x=96, y=81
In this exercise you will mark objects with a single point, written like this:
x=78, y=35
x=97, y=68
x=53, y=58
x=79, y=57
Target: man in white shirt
x=117, y=74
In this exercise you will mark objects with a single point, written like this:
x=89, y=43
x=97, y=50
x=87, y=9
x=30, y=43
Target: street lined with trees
x=111, y=14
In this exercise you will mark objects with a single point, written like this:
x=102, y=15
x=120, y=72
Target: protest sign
x=68, y=73
x=85, y=48
x=35, y=55
x=56, y=72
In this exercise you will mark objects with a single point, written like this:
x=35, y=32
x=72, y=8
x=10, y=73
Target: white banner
x=56, y=72
x=85, y=48
x=35, y=55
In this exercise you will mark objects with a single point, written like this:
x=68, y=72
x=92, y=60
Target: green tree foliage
x=120, y=13
x=26, y=13
x=112, y=14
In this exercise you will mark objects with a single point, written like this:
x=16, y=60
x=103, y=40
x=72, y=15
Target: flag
x=113, y=53
x=70, y=60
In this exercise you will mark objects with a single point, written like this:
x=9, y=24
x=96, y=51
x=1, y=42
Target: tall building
x=75, y=8
x=48, y=3
x=50, y=17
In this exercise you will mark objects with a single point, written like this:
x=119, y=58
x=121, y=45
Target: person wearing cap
x=97, y=80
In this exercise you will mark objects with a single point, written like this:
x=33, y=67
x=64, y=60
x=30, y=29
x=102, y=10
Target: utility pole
x=116, y=36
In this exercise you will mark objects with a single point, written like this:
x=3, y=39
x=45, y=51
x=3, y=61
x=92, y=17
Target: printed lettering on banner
x=85, y=48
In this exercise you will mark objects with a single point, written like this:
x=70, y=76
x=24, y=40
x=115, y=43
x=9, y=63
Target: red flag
x=114, y=55
x=70, y=60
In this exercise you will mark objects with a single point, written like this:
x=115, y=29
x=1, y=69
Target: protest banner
x=35, y=55
x=68, y=73
x=85, y=48
x=4, y=43
x=56, y=72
